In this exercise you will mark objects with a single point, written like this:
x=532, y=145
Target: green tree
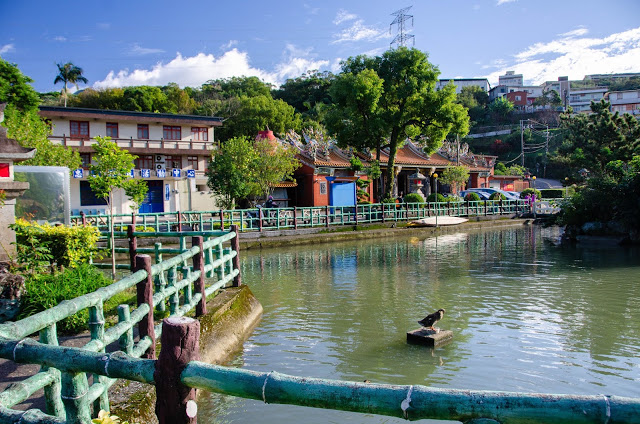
x=399, y=101
x=25, y=125
x=273, y=163
x=306, y=91
x=107, y=98
x=258, y=113
x=549, y=97
x=111, y=171
x=596, y=139
x=475, y=99
x=145, y=98
x=501, y=109
x=455, y=175
x=178, y=99
x=229, y=171
x=28, y=128
x=15, y=88
x=69, y=73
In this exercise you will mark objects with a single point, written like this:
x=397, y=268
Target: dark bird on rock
x=431, y=319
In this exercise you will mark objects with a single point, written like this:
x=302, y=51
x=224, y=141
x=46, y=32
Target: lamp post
x=435, y=176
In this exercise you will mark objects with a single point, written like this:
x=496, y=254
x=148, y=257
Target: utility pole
x=546, y=154
x=457, y=149
x=402, y=37
x=522, y=141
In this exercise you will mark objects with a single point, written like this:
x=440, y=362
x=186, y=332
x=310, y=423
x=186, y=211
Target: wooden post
x=133, y=246
x=295, y=217
x=382, y=206
x=198, y=265
x=133, y=219
x=260, y=219
x=356, y=214
x=221, y=220
x=235, y=245
x=485, y=208
x=175, y=402
x=144, y=292
x=84, y=218
x=326, y=216
x=179, y=221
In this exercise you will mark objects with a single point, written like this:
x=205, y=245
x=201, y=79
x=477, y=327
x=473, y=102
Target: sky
x=140, y=42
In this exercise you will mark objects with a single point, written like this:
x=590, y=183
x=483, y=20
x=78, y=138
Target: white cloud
x=196, y=70
x=60, y=38
x=578, y=32
x=344, y=16
x=7, y=48
x=230, y=44
x=501, y=2
x=137, y=50
x=576, y=57
x=359, y=32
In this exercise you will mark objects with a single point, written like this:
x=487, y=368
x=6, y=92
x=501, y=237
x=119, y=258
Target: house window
x=88, y=197
x=173, y=162
x=193, y=162
x=199, y=133
x=143, y=131
x=618, y=96
x=144, y=162
x=86, y=160
x=112, y=129
x=171, y=132
x=518, y=98
x=79, y=129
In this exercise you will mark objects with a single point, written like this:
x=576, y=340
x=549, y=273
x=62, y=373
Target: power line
x=401, y=18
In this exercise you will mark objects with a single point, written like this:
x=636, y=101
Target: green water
x=527, y=315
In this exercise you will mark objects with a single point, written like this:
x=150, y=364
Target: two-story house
x=173, y=153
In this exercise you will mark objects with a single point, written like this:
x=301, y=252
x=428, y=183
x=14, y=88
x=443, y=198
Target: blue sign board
x=145, y=173
x=191, y=173
x=167, y=192
x=78, y=173
x=176, y=173
x=161, y=173
x=132, y=174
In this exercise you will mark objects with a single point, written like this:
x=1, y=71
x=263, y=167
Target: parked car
x=483, y=195
x=489, y=191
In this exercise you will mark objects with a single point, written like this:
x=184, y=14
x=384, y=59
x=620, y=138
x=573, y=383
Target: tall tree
x=69, y=73
x=15, y=88
x=399, y=101
x=456, y=176
x=594, y=140
x=111, y=171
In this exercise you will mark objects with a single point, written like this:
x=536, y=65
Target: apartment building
x=173, y=153
x=625, y=101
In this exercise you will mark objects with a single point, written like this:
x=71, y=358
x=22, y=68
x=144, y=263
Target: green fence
x=263, y=219
x=180, y=286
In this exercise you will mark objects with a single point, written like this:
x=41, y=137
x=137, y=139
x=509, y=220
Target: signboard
x=176, y=173
x=132, y=174
x=78, y=173
x=145, y=173
x=161, y=173
x=167, y=192
x=191, y=173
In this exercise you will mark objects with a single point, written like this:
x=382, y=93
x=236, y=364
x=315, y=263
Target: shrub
x=67, y=246
x=44, y=291
x=389, y=200
x=432, y=198
x=453, y=199
x=497, y=196
x=413, y=198
x=472, y=197
x=528, y=191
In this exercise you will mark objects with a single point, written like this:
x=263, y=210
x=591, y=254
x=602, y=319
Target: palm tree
x=69, y=73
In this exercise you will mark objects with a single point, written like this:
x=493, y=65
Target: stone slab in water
x=429, y=337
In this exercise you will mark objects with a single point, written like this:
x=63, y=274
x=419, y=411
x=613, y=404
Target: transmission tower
x=402, y=38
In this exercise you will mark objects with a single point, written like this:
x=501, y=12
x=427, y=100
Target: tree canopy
x=15, y=88
x=598, y=138
x=390, y=98
x=69, y=73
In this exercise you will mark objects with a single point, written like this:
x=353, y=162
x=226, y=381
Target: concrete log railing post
x=48, y=335
x=235, y=246
x=198, y=265
x=125, y=341
x=144, y=294
x=175, y=402
x=159, y=280
x=96, y=328
x=75, y=396
x=133, y=246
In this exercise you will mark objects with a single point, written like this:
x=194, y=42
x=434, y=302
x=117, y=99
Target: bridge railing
x=181, y=285
x=412, y=402
x=264, y=219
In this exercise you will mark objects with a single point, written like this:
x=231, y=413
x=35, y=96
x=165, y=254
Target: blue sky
x=135, y=42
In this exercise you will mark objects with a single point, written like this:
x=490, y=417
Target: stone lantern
x=416, y=183
x=10, y=152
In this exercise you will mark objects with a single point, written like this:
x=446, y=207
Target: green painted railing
x=265, y=219
x=412, y=402
x=180, y=286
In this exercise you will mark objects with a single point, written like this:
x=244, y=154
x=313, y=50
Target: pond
x=527, y=315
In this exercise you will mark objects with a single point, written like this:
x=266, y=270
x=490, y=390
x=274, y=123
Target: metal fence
x=264, y=219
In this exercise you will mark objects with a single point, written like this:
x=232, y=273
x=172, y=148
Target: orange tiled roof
x=409, y=155
x=334, y=160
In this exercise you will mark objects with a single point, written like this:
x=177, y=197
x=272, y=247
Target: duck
x=430, y=320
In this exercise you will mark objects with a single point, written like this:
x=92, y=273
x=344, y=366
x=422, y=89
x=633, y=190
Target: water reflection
x=527, y=316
